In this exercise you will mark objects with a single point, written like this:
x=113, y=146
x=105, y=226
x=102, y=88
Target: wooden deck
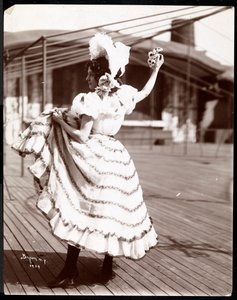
x=190, y=200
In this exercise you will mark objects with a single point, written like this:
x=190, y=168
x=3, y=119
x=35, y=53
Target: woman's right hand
x=57, y=116
x=155, y=58
x=159, y=61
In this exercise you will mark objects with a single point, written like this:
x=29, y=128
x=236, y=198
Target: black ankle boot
x=69, y=272
x=64, y=279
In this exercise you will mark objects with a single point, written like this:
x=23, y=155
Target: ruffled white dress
x=90, y=192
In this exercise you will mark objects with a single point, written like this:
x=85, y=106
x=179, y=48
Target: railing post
x=152, y=113
x=22, y=104
x=201, y=139
x=44, y=66
x=186, y=106
x=5, y=93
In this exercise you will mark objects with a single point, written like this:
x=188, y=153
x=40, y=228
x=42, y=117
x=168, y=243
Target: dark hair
x=100, y=66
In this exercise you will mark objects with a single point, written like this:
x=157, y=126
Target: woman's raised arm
x=151, y=81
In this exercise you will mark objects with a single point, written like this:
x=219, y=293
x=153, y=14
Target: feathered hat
x=117, y=53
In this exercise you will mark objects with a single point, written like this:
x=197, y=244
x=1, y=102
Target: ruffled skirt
x=90, y=192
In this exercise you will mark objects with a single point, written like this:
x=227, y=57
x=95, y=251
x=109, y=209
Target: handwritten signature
x=34, y=262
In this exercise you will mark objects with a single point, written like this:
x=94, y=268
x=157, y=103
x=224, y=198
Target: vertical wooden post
x=5, y=93
x=186, y=103
x=22, y=104
x=152, y=117
x=44, y=66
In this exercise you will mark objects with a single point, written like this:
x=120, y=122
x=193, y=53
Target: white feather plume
x=99, y=44
x=117, y=55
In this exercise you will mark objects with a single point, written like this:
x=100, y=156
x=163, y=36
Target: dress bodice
x=108, y=113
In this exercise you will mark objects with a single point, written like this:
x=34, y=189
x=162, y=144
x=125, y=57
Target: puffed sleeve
x=127, y=93
x=85, y=104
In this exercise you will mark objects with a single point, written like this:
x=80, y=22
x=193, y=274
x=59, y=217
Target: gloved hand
x=155, y=58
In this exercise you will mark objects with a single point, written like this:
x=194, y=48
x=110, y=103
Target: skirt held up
x=89, y=192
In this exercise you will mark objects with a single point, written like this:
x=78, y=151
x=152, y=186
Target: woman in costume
x=87, y=182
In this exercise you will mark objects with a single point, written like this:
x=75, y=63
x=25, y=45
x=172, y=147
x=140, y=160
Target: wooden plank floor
x=190, y=200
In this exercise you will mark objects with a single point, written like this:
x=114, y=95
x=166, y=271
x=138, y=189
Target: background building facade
x=193, y=92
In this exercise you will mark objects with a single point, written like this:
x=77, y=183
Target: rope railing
x=141, y=62
x=200, y=47
x=22, y=52
x=48, y=37
x=57, y=63
x=77, y=46
x=204, y=83
x=162, y=20
x=120, y=22
x=63, y=54
x=129, y=41
x=183, y=24
x=62, y=63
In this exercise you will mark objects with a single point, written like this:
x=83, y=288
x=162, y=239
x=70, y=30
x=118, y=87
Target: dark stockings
x=67, y=276
x=107, y=263
x=70, y=265
x=107, y=268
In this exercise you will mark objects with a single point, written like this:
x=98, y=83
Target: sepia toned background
x=181, y=139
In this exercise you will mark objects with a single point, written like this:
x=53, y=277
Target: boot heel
x=64, y=281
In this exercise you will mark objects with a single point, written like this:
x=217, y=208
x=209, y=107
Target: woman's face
x=90, y=78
